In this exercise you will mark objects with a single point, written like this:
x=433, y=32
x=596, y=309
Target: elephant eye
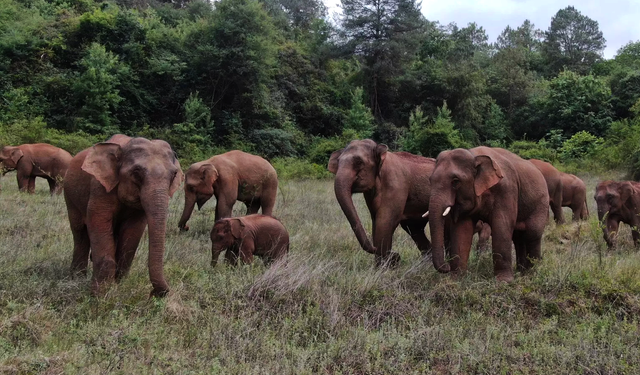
x=455, y=183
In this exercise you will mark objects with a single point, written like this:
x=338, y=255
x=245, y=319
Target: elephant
x=36, y=160
x=574, y=195
x=501, y=189
x=396, y=189
x=554, y=180
x=246, y=236
x=112, y=191
x=618, y=201
x=484, y=234
x=232, y=176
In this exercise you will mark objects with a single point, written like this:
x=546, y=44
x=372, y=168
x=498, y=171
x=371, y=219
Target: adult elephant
x=36, y=160
x=554, y=180
x=232, y=176
x=113, y=190
x=396, y=189
x=495, y=186
x=618, y=201
x=574, y=195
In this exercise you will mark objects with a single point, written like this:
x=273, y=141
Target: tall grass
x=326, y=310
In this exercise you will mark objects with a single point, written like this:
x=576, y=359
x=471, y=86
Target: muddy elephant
x=113, y=191
x=230, y=177
x=495, y=186
x=36, y=160
x=396, y=189
x=244, y=237
x=554, y=180
x=618, y=201
x=574, y=195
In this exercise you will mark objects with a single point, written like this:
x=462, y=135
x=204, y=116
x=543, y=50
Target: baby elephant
x=247, y=236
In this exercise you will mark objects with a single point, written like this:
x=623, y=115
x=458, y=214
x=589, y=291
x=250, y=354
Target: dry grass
x=326, y=310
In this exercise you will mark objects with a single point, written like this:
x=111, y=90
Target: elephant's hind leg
x=81, y=244
x=415, y=229
x=129, y=234
x=253, y=207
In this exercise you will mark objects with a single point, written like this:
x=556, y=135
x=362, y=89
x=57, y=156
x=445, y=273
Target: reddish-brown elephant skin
x=113, y=191
x=396, y=189
x=244, y=237
x=554, y=180
x=36, y=160
x=230, y=177
x=484, y=234
x=574, y=195
x=495, y=186
x=618, y=201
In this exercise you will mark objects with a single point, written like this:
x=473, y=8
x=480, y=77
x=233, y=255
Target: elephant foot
x=158, y=293
x=391, y=260
x=505, y=277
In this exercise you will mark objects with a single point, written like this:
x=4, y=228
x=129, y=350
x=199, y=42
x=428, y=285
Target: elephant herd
x=116, y=189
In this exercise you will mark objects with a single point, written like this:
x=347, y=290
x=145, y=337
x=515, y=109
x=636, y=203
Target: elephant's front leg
x=461, y=239
x=501, y=240
x=100, y=220
x=415, y=229
x=246, y=250
x=610, y=231
x=384, y=226
x=129, y=234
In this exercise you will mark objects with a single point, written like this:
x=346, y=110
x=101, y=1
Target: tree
x=380, y=32
x=428, y=137
x=573, y=41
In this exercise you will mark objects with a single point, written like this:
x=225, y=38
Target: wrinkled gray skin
x=244, y=237
x=618, y=201
x=114, y=191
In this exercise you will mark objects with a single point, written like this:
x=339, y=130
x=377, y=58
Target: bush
x=272, y=143
x=533, y=150
x=582, y=144
x=428, y=138
x=292, y=168
x=36, y=131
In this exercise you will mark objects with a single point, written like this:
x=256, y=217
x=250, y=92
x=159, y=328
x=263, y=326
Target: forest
x=285, y=80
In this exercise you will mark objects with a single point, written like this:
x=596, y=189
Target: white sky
x=619, y=20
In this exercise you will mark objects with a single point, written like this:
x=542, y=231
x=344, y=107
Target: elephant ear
x=102, y=163
x=16, y=155
x=488, y=174
x=381, y=155
x=237, y=227
x=333, y=161
x=177, y=180
x=209, y=174
x=626, y=190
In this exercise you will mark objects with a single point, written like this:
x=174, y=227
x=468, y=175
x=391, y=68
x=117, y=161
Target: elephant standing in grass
x=574, y=195
x=244, y=237
x=396, y=189
x=618, y=201
x=36, y=160
x=113, y=190
x=554, y=180
x=501, y=189
x=232, y=176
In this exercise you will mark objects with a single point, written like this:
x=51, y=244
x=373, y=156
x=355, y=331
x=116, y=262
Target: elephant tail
x=586, y=205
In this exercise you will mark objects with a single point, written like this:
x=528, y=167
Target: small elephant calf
x=247, y=236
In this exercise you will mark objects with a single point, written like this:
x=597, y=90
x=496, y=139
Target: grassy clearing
x=326, y=311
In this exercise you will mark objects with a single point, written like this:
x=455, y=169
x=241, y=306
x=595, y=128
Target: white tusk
x=446, y=211
x=425, y=214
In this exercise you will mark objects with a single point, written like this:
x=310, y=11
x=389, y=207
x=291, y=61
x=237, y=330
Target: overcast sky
x=619, y=20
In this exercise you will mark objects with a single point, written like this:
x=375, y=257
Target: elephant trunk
x=437, y=213
x=343, y=185
x=156, y=205
x=189, y=204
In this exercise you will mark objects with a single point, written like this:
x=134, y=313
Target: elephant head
x=146, y=174
x=612, y=196
x=198, y=189
x=357, y=168
x=225, y=235
x=9, y=157
x=457, y=182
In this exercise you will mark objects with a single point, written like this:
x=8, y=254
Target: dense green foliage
x=279, y=79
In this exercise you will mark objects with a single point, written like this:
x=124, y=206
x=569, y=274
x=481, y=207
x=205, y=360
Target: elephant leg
x=534, y=247
x=129, y=234
x=103, y=247
x=635, y=234
x=461, y=244
x=385, y=225
x=610, y=232
x=416, y=231
x=81, y=243
x=224, y=207
x=483, y=237
x=501, y=240
x=558, y=215
x=246, y=251
x=32, y=185
x=231, y=257
x=23, y=182
x=268, y=198
x=520, y=243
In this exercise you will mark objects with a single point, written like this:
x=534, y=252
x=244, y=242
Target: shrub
x=429, y=138
x=532, y=150
x=580, y=145
x=293, y=168
x=272, y=143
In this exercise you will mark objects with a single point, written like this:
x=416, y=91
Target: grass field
x=328, y=310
